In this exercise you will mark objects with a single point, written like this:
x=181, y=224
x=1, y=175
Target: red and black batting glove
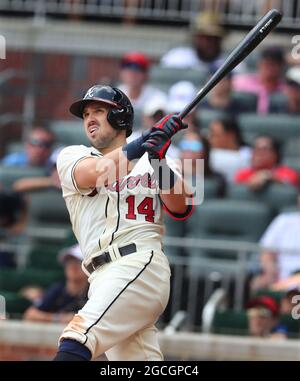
x=157, y=145
x=170, y=125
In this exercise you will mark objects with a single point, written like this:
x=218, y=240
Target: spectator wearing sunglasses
x=194, y=147
x=37, y=150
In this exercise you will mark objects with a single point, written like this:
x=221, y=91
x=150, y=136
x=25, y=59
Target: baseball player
x=117, y=220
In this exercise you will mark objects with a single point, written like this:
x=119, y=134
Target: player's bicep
x=84, y=173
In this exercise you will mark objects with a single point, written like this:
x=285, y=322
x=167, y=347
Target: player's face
x=98, y=130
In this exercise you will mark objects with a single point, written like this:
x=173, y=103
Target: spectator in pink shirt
x=268, y=78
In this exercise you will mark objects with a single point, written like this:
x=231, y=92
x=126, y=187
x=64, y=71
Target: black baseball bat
x=244, y=48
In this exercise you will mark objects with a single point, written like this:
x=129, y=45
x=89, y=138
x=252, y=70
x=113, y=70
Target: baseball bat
x=244, y=48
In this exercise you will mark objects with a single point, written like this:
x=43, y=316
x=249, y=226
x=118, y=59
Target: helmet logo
x=90, y=93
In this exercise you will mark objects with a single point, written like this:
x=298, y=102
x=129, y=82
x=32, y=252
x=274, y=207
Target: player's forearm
x=178, y=199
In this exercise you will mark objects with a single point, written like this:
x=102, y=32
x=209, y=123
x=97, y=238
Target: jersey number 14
x=145, y=207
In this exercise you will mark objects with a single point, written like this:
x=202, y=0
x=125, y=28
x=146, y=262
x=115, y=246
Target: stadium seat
x=14, y=147
x=249, y=100
x=173, y=229
x=229, y=219
x=279, y=126
x=14, y=280
x=225, y=220
x=47, y=208
x=277, y=100
x=206, y=117
x=44, y=256
x=8, y=175
x=277, y=196
x=164, y=78
x=232, y=322
x=15, y=304
x=292, y=148
x=293, y=162
x=69, y=132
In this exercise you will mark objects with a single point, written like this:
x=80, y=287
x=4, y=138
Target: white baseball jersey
x=122, y=212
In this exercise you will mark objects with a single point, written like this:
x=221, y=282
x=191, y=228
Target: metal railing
x=233, y=12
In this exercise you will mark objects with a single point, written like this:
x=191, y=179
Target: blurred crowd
x=231, y=158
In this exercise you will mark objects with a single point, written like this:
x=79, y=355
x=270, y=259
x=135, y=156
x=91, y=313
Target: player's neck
x=117, y=143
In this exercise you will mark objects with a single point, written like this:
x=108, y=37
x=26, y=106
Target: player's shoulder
x=73, y=150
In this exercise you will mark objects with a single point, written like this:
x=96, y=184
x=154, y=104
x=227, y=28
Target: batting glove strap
x=135, y=149
x=157, y=145
x=170, y=125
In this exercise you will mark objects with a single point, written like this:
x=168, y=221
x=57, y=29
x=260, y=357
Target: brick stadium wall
x=9, y=352
x=58, y=79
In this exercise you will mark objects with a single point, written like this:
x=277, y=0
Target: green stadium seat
x=14, y=280
x=229, y=219
x=249, y=100
x=225, y=220
x=230, y=322
x=69, y=132
x=164, y=78
x=277, y=196
x=279, y=126
x=173, y=229
x=206, y=117
x=277, y=100
x=15, y=304
x=8, y=175
x=293, y=162
x=14, y=147
x=47, y=208
x=292, y=148
x=44, y=256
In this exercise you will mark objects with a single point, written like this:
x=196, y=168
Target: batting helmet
x=121, y=114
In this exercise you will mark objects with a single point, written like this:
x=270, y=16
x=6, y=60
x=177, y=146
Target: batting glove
x=157, y=145
x=170, y=124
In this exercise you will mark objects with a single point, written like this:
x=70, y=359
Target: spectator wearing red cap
x=134, y=76
x=263, y=318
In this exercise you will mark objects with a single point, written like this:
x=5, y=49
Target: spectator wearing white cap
x=291, y=105
x=179, y=95
x=65, y=298
x=153, y=112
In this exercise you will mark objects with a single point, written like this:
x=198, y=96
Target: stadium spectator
x=280, y=255
x=267, y=80
x=179, y=95
x=38, y=148
x=28, y=184
x=263, y=318
x=292, y=90
x=265, y=166
x=220, y=98
x=134, y=76
x=63, y=299
x=13, y=217
x=206, y=50
x=193, y=147
x=229, y=154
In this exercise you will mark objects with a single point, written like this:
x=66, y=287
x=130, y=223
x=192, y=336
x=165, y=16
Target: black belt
x=103, y=258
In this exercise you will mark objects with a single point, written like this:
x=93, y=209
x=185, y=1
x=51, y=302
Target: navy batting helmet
x=121, y=114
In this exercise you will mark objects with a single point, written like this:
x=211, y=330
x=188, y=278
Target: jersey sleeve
x=67, y=161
